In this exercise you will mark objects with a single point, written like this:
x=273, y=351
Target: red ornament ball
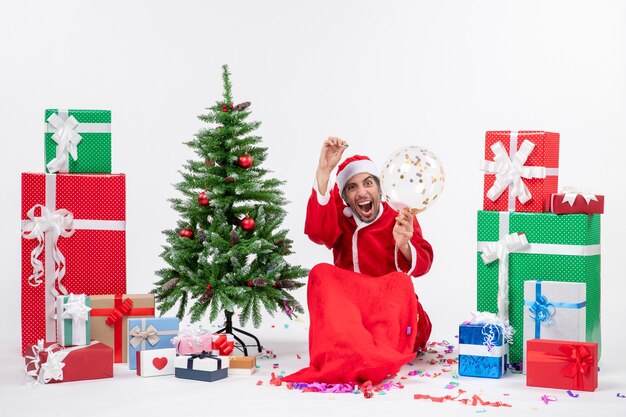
x=208, y=287
x=245, y=161
x=203, y=199
x=229, y=179
x=277, y=284
x=224, y=108
x=250, y=284
x=186, y=233
x=247, y=223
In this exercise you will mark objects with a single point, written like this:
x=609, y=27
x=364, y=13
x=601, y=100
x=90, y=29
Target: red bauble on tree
x=208, y=287
x=203, y=199
x=247, y=223
x=250, y=284
x=186, y=233
x=245, y=161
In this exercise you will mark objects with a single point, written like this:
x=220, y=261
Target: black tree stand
x=229, y=329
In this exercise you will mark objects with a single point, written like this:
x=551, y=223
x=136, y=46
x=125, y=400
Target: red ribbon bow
x=580, y=362
x=118, y=312
x=224, y=346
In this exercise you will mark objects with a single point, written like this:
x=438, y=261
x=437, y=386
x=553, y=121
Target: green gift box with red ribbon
x=516, y=247
x=78, y=141
x=562, y=364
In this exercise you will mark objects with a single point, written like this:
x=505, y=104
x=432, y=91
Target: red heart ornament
x=159, y=363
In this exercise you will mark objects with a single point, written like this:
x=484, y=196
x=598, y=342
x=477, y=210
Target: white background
x=378, y=74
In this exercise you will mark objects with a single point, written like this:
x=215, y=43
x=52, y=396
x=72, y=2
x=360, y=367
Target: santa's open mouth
x=365, y=207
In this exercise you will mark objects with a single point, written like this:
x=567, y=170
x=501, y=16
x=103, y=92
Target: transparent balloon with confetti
x=412, y=177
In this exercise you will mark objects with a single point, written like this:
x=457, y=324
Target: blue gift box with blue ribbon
x=483, y=350
x=554, y=310
x=149, y=334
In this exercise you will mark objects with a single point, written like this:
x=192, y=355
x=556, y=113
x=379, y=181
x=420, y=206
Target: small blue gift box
x=148, y=334
x=482, y=352
x=204, y=366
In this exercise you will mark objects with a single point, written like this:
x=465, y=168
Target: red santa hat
x=356, y=164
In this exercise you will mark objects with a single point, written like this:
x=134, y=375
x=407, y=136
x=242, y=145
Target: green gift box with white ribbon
x=515, y=247
x=78, y=141
x=73, y=320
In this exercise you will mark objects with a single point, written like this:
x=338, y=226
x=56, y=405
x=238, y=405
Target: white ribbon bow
x=500, y=250
x=150, y=334
x=53, y=225
x=191, y=333
x=51, y=369
x=572, y=192
x=490, y=319
x=509, y=172
x=75, y=308
x=67, y=140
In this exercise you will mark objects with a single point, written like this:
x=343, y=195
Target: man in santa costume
x=366, y=321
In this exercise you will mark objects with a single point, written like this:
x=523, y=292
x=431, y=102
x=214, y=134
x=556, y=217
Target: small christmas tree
x=228, y=251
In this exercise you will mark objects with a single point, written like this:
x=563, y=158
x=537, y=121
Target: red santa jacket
x=368, y=248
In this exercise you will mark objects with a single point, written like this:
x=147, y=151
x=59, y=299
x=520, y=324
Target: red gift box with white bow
x=50, y=362
x=521, y=170
x=574, y=201
x=562, y=364
x=73, y=240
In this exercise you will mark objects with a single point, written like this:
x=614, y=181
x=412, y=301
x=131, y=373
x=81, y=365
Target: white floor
x=129, y=395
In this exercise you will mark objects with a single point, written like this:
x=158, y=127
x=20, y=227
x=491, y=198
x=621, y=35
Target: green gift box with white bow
x=73, y=327
x=78, y=141
x=515, y=247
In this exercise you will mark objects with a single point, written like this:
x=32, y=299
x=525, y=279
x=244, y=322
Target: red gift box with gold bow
x=562, y=364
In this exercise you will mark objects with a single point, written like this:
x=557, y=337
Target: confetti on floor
x=571, y=394
x=473, y=401
x=548, y=398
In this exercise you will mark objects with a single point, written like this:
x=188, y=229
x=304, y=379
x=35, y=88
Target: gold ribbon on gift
x=140, y=336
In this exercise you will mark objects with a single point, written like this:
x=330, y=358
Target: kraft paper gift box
x=157, y=362
x=560, y=248
x=205, y=366
x=562, y=364
x=193, y=339
x=109, y=319
x=554, y=310
x=78, y=141
x=73, y=327
x=50, y=362
x=575, y=202
x=73, y=240
x=148, y=334
x=241, y=365
x=483, y=351
x=521, y=170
